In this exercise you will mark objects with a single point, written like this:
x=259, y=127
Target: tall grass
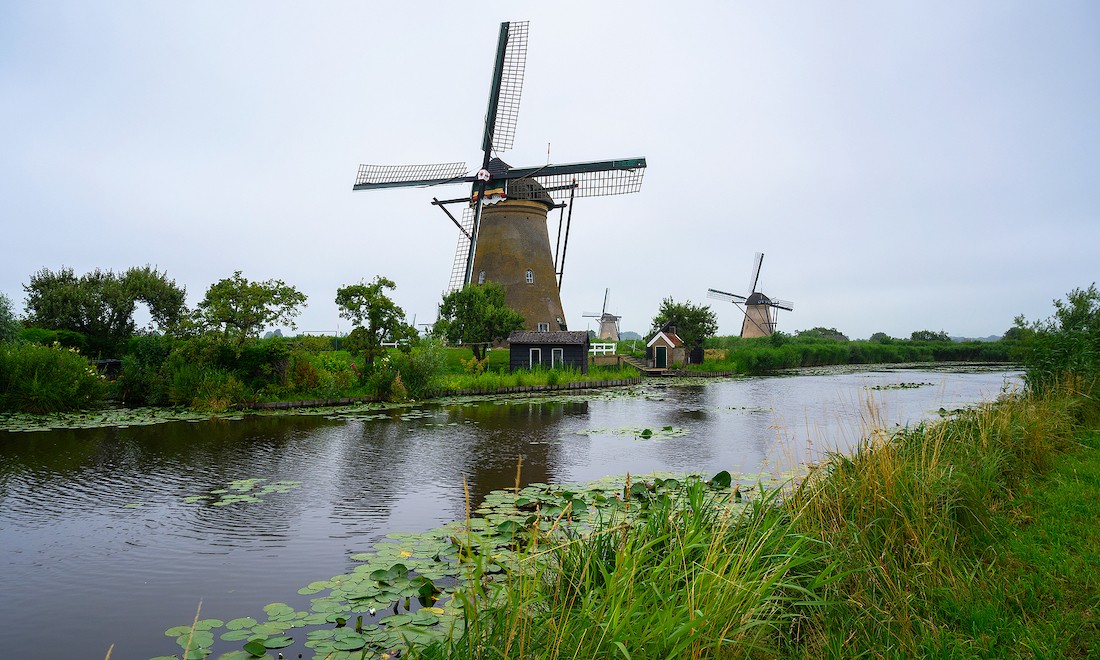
x=873, y=553
x=691, y=577
x=488, y=381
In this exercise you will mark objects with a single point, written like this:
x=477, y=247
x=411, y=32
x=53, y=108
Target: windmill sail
x=534, y=290
x=506, y=89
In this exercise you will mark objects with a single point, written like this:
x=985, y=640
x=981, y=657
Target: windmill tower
x=759, y=310
x=609, y=323
x=504, y=235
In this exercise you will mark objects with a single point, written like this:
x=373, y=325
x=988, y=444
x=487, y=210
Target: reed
x=891, y=550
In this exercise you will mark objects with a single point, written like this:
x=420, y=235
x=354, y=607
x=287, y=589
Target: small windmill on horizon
x=759, y=309
x=609, y=323
x=504, y=235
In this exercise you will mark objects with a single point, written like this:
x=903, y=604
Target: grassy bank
x=976, y=536
x=781, y=351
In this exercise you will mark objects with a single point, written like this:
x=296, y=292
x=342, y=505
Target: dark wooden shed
x=558, y=348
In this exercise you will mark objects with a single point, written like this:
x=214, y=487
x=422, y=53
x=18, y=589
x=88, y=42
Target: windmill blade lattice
x=715, y=294
x=510, y=88
x=399, y=176
x=462, y=251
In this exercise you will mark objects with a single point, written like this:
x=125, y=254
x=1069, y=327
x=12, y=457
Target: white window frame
x=557, y=357
x=534, y=361
x=542, y=327
x=530, y=276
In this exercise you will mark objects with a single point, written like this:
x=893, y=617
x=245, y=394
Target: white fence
x=602, y=349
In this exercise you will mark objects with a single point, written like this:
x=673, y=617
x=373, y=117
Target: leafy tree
x=694, y=323
x=240, y=308
x=823, y=333
x=928, y=335
x=9, y=326
x=1065, y=349
x=100, y=304
x=476, y=314
x=881, y=338
x=376, y=317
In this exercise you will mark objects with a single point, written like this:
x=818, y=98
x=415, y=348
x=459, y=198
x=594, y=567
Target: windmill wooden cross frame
x=496, y=182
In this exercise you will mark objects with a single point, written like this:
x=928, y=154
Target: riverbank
x=976, y=536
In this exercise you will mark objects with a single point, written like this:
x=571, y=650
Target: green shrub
x=422, y=368
x=143, y=380
x=66, y=338
x=42, y=379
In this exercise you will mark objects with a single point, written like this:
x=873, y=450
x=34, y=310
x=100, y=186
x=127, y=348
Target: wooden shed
x=557, y=348
x=667, y=349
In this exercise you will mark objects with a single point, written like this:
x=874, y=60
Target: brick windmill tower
x=504, y=234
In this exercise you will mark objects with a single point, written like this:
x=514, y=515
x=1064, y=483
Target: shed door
x=536, y=358
x=660, y=357
x=557, y=357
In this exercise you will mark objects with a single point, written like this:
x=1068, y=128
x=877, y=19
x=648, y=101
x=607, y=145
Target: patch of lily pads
x=640, y=432
x=410, y=589
x=899, y=386
x=243, y=491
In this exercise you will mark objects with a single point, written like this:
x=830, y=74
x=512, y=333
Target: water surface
x=98, y=545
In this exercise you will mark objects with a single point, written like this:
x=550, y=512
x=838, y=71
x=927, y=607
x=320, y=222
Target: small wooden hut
x=557, y=348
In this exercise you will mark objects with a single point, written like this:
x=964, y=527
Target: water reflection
x=94, y=522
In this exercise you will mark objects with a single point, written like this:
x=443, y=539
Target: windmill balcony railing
x=602, y=349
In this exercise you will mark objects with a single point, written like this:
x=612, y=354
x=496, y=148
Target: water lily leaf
x=178, y=631
x=256, y=648
x=278, y=642
x=394, y=620
x=237, y=635
x=242, y=622
x=721, y=480
x=351, y=643
x=208, y=624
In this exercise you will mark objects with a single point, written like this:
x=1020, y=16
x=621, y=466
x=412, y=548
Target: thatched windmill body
x=760, y=310
x=504, y=235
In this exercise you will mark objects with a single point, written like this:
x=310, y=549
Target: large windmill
x=504, y=236
x=609, y=323
x=759, y=310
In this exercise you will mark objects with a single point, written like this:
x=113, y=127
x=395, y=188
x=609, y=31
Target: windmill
x=504, y=236
x=759, y=309
x=609, y=323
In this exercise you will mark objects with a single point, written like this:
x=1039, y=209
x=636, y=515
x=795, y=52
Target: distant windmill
x=609, y=323
x=504, y=234
x=759, y=309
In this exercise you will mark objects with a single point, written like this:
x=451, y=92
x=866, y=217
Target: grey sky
x=903, y=166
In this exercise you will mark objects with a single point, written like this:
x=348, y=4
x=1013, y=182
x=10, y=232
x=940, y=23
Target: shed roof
x=671, y=338
x=567, y=337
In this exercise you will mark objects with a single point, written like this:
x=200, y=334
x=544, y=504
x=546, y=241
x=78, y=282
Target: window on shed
x=530, y=276
x=536, y=358
x=542, y=327
x=557, y=357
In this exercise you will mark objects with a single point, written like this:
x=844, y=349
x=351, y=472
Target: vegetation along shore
x=974, y=536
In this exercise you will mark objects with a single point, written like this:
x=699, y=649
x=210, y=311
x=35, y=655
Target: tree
x=375, y=314
x=476, y=315
x=823, y=333
x=242, y=309
x=694, y=323
x=881, y=337
x=9, y=326
x=928, y=335
x=100, y=304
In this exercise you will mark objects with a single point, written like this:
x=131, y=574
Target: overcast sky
x=903, y=166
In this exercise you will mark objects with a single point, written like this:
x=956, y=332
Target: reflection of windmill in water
x=609, y=323
x=759, y=310
x=504, y=234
